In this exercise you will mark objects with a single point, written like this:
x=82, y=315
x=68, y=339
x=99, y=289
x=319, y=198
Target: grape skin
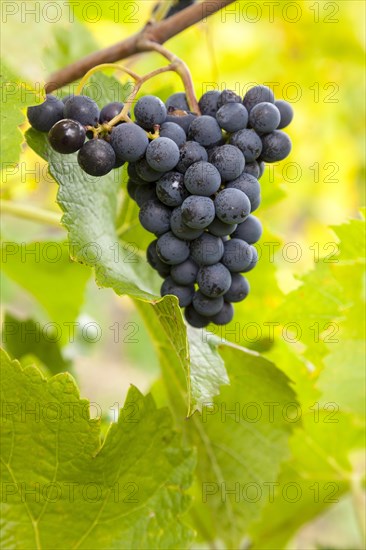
x=264, y=117
x=276, y=146
x=43, y=117
x=190, y=152
x=237, y=256
x=232, y=206
x=110, y=111
x=145, y=193
x=224, y=316
x=221, y=229
x=67, y=136
x=202, y=178
x=145, y=173
x=228, y=160
x=205, y=130
x=171, y=249
x=214, y=280
x=249, y=230
x=239, y=288
x=286, y=112
x=248, y=142
x=207, y=249
x=129, y=142
x=185, y=273
x=174, y=132
x=208, y=103
x=83, y=109
x=171, y=190
x=232, y=117
x=195, y=319
x=155, y=217
x=96, y=157
x=154, y=260
x=257, y=94
x=180, y=229
x=198, y=212
x=177, y=101
x=149, y=111
x=249, y=185
x=162, y=154
x=183, y=293
x=206, y=306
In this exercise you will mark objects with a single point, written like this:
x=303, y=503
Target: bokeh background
x=312, y=53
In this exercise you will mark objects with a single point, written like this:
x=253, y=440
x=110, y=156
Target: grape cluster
x=194, y=178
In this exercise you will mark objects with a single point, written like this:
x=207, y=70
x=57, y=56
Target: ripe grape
x=83, y=109
x=232, y=117
x=145, y=173
x=110, y=110
x=162, y=154
x=171, y=249
x=248, y=142
x=202, y=178
x=66, y=136
x=207, y=249
x=195, y=319
x=190, y=152
x=177, y=101
x=207, y=306
x=286, y=112
x=185, y=273
x=228, y=96
x=239, y=288
x=264, y=117
x=96, y=157
x=43, y=117
x=237, y=256
x=174, y=132
x=225, y=315
x=153, y=259
x=214, y=280
x=149, y=111
x=208, y=103
x=155, y=217
x=205, y=130
x=232, y=206
x=250, y=230
x=249, y=185
x=221, y=229
x=228, y=160
x=171, y=190
x=256, y=95
x=183, y=293
x=276, y=146
x=145, y=193
x=129, y=142
x=198, y=212
x=180, y=229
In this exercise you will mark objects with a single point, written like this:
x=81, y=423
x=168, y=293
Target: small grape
x=248, y=142
x=239, y=288
x=195, y=319
x=171, y=249
x=83, y=109
x=228, y=96
x=205, y=130
x=254, y=261
x=174, y=132
x=221, y=229
x=224, y=316
x=256, y=95
x=207, y=249
x=286, y=112
x=154, y=260
x=249, y=185
x=131, y=186
x=162, y=154
x=232, y=206
x=253, y=169
x=145, y=193
x=264, y=117
x=145, y=173
x=190, y=152
x=185, y=273
x=171, y=190
x=202, y=178
x=66, y=136
x=109, y=111
x=232, y=117
x=198, y=212
x=262, y=168
x=182, y=118
x=214, y=280
x=208, y=103
x=180, y=229
x=228, y=160
x=155, y=217
x=96, y=157
x=149, y=111
x=129, y=142
x=183, y=293
x=177, y=101
x=249, y=230
x=276, y=146
x=237, y=255
x=43, y=117
x=207, y=306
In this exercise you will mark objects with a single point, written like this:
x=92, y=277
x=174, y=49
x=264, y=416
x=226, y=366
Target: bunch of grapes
x=195, y=179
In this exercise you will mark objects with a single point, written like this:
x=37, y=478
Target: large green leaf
x=15, y=97
x=45, y=270
x=87, y=494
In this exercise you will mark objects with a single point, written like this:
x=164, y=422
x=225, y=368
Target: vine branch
x=157, y=33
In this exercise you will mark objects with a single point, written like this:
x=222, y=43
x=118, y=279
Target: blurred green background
x=312, y=53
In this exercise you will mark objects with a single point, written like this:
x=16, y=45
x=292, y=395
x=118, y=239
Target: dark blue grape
x=264, y=117
x=214, y=280
x=154, y=260
x=256, y=95
x=180, y=229
x=224, y=316
x=190, y=152
x=276, y=146
x=232, y=206
x=171, y=190
x=286, y=112
x=248, y=142
x=239, y=288
x=185, y=273
x=228, y=96
x=249, y=185
x=221, y=229
x=109, y=111
x=208, y=103
x=237, y=255
x=43, y=117
x=174, y=132
x=155, y=217
x=83, y=109
x=96, y=157
x=171, y=249
x=66, y=136
x=206, y=306
x=131, y=188
x=202, y=178
x=249, y=230
x=253, y=169
x=198, y=212
x=182, y=118
x=145, y=173
x=207, y=249
x=205, y=130
x=228, y=160
x=254, y=260
x=232, y=117
x=177, y=101
x=129, y=142
x=145, y=193
x=183, y=293
x=149, y=111
x=195, y=319
x=162, y=154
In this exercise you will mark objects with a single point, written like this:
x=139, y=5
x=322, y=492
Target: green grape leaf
x=352, y=240
x=29, y=338
x=88, y=494
x=15, y=97
x=44, y=269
